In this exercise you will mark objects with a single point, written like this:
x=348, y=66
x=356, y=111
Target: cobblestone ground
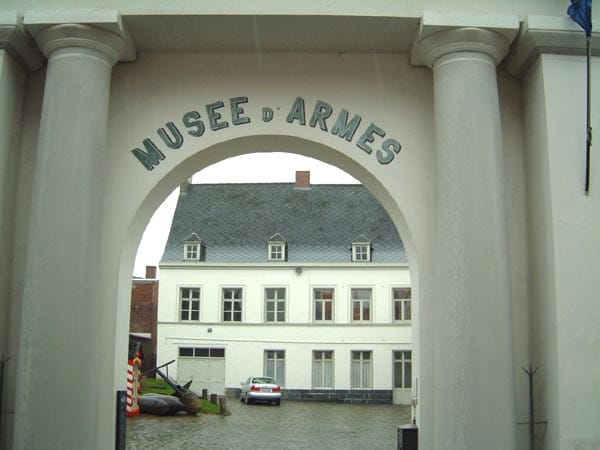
x=291, y=426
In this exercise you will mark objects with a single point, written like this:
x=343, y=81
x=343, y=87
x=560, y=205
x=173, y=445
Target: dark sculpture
x=161, y=404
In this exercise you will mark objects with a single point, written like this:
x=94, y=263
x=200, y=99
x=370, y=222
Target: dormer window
x=193, y=248
x=361, y=249
x=277, y=252
x=277, y=248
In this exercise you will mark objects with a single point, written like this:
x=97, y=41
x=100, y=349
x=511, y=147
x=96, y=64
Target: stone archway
x=91, y=199
x=98, y=243
x=248, y=145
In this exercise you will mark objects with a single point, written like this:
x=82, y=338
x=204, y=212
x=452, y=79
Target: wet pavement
x=291, y=426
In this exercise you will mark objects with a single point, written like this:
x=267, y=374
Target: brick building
x=142, y=318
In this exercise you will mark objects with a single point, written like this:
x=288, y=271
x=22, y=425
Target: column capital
x=16, y=42
x=102, y=31
x=440, y=34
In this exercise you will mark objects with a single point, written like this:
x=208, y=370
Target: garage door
x=204, y=366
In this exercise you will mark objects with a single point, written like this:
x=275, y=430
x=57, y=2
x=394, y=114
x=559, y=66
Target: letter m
x=149, y=158
x=344, y=129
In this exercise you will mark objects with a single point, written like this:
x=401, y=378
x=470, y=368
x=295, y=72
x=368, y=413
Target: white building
x=308, y=284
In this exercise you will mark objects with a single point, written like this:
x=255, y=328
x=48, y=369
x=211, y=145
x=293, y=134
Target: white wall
x=516, y=217
x=564, y=227
x=299, y=336
x=12, y=84
x=253, y=280
x=245, y=346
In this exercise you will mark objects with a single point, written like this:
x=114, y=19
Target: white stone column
x=57, y=399
x=474, y=392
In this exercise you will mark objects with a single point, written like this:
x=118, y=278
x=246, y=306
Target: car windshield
x=263, y=380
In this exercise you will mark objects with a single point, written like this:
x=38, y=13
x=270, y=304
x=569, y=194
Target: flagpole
x=589, y=113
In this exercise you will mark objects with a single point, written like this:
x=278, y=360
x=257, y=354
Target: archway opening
x=356, y=171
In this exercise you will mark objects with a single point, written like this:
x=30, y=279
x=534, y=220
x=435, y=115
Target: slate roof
x=235, y=222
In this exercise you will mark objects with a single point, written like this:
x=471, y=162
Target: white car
x=260, y=389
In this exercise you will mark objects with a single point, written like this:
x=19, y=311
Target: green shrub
x=156, y=386
x=210, y=408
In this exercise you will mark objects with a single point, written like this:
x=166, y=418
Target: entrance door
x=402, y=376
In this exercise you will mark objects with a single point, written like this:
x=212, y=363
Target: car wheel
x=278, y=402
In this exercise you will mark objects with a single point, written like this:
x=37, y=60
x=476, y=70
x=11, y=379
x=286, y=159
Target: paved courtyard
x=293, y=425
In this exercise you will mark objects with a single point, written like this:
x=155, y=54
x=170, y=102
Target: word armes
x=195, y=125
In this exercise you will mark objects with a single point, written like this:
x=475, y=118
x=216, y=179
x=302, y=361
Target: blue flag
x=581, y=12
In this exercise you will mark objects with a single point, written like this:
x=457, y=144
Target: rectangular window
x=361, y=370
x=322, y=374
x=275, y=304
x=277, y=252
x=402, y=303
x=192, y=251
x=275, y=365
x=189, y=301
x=232, y=304
x=217, y=353
x=361, y=304
x=403, y=369
x=186, y=351
x=323, y=301
x=202, y=352
x=361, y=252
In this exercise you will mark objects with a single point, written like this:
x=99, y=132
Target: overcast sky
x=251, y=168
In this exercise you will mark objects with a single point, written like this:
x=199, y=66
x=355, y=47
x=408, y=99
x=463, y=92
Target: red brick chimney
x=151, y=272
x=302, y=179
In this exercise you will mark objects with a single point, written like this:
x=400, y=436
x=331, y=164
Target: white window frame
x=406, y=305
x=276, y=375
x=402, y=359
x=276, y=302
x=233, y=300
x=361, y=252
x=322, y=361
x=190, y=310
x=314, y=290
x=361, y=362
x=192, y=247
x=361, y=319
x=277, y=251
